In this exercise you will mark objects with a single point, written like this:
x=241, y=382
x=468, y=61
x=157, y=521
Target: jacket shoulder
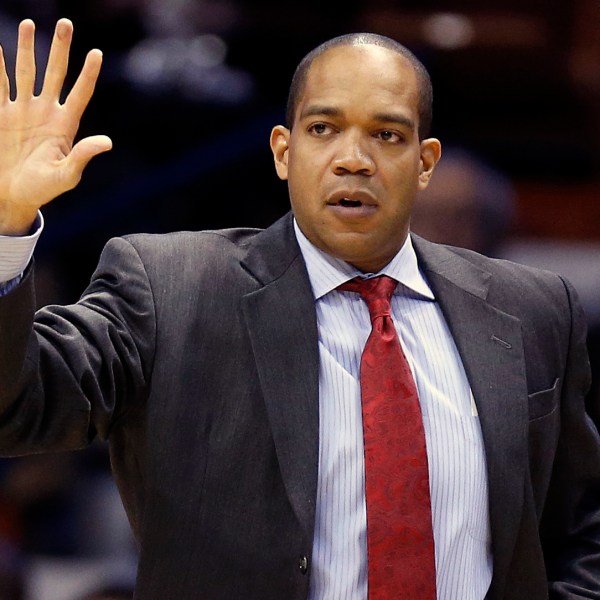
x=504, y=283
x=184, y=242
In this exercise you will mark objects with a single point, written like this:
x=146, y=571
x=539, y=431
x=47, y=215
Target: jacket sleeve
x=68, y=373
x=570, y=527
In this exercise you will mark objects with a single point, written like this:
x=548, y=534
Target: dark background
x=516, y=95
x=516, y=83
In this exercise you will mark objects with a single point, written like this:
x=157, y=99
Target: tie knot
x=376, y=292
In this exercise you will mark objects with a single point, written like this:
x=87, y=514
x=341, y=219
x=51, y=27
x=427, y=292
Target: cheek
x=297, y=192
x=300, y=199
x=405, y=186
x=303, y=182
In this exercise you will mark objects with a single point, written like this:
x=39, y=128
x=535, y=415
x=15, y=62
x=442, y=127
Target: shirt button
x=303, y=565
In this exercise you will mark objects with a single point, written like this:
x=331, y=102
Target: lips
x=354, y=199
x=352, y=206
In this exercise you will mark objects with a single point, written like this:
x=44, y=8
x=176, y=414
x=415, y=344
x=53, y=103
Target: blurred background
x=189, y=92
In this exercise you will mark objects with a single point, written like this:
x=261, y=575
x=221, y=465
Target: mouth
x=348, y=203
x=352, y=204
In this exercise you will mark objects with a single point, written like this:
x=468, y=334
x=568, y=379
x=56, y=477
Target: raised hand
x=38, y=160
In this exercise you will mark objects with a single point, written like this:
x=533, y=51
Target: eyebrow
x=330, y=111
x=318, y=109
x=395, y=118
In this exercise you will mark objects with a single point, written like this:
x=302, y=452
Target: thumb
x=82, y=153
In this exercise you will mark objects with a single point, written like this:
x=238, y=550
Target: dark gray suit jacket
x=195, y=355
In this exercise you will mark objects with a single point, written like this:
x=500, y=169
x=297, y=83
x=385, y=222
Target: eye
x=387, y=135
x=320, y=129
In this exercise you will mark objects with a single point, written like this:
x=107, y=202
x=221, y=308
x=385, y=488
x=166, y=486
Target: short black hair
x=355, y=39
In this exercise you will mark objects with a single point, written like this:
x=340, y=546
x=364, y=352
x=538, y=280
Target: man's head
x=352, y=153
x=354, y=39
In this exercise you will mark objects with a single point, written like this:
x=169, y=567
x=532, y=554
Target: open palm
x=38, y=160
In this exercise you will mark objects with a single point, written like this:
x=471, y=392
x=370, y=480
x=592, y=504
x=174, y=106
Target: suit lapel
x=281, y=321
x=490, y=344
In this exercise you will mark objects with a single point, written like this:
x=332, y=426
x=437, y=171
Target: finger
x=82, y=91
x=4, y=84
x=58, y=59
x=25, y=66
x=80, y=156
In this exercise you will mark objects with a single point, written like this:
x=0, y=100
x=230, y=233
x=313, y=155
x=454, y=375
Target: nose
x=352, y=157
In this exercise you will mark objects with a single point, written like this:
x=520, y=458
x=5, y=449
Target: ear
x=280, y=137
x=431, y=152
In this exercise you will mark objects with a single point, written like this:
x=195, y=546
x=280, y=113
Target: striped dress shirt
x=457, y=469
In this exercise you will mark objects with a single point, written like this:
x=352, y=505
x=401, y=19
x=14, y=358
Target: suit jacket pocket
x=544, y=402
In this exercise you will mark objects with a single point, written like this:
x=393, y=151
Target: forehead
x=361, y=74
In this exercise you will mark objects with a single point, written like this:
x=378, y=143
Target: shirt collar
x=327, y=272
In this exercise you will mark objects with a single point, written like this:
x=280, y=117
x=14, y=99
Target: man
x=223, y=367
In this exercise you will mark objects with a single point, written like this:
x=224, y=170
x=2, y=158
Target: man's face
x=353, y=159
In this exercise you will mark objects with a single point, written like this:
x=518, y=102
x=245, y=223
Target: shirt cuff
x=16, y=251
x=8, y=286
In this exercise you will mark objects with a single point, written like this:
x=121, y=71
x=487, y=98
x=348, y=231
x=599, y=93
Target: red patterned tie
x=401, y=561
